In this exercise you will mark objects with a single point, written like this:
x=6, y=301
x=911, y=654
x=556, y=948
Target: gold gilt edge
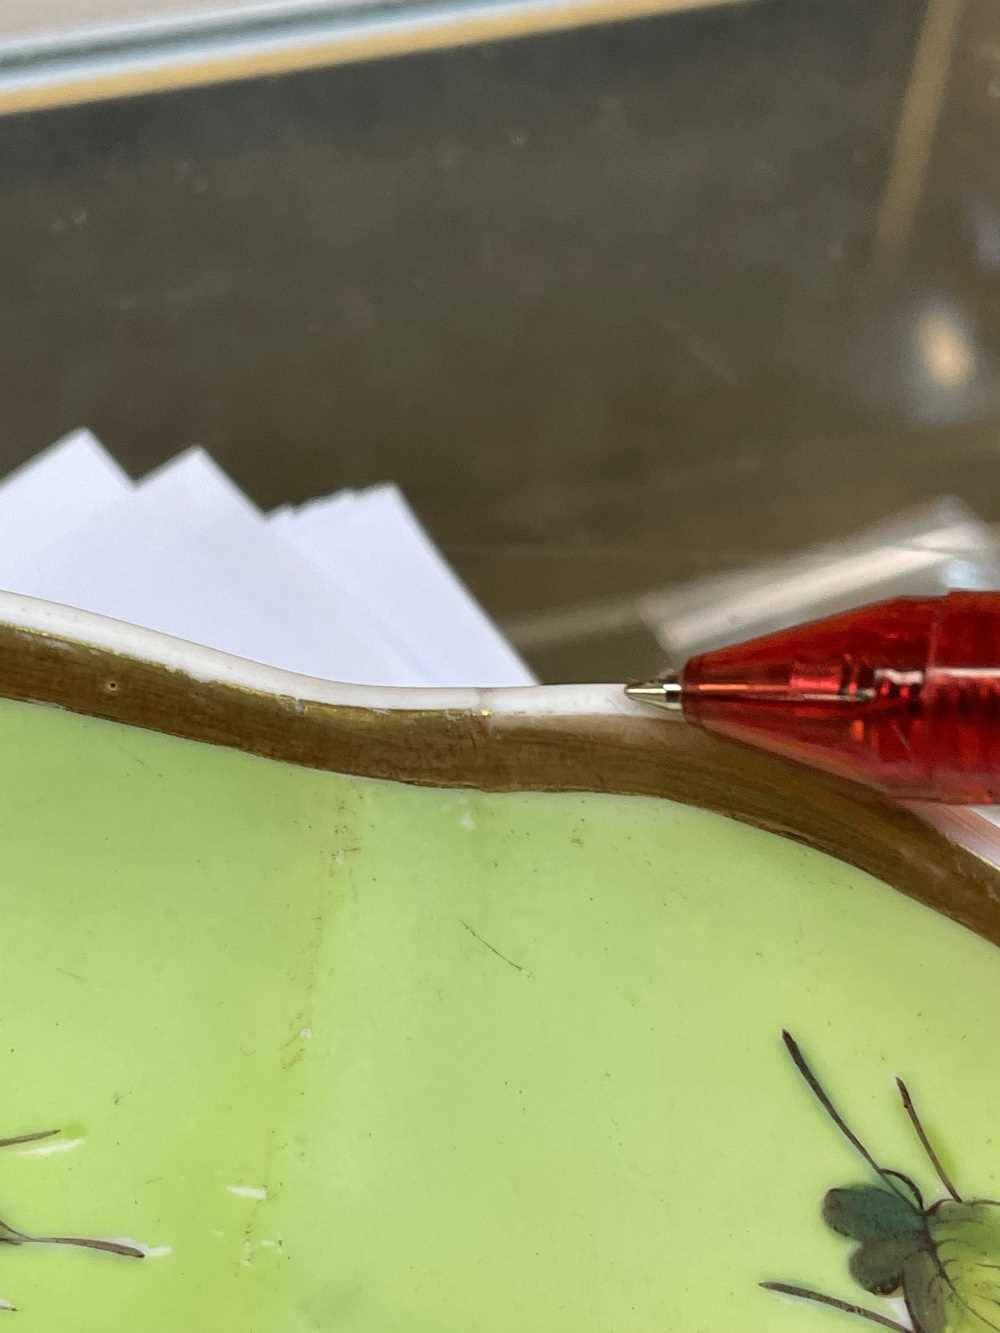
x=495, y=751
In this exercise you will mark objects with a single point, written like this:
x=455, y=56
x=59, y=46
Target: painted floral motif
x=943, y=1259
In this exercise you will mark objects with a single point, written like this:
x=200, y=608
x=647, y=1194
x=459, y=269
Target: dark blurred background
x=616, y=307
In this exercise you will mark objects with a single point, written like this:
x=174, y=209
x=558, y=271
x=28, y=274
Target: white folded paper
x=348, y=587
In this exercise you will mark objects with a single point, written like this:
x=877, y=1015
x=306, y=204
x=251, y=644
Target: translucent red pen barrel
x=902, y=695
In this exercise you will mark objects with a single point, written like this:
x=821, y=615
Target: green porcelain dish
x=361, y=1011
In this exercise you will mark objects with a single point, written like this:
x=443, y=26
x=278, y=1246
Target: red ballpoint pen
x=902, y=695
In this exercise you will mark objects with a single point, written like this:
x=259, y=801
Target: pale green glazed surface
x=220, y=971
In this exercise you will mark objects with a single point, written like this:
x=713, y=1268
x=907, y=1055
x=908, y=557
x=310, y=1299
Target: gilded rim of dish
x=547, y=738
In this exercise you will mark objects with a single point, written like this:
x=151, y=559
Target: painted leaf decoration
x=870, y=1212
x=878, y=1264
x=954, y=1287
x=908, y=1187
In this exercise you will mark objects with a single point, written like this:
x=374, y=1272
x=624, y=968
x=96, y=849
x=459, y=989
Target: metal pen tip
x=664, y=692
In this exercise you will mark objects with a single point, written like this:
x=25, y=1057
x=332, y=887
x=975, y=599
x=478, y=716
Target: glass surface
x=617, y=307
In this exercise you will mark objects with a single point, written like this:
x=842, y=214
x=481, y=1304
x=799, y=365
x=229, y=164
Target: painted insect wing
x=955, y=1286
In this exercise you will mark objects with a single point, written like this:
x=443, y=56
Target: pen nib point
x=662, y=693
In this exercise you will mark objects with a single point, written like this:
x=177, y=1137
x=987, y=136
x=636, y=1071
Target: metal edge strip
x=169, y=59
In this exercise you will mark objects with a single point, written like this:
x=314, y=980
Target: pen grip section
x=903, y=695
